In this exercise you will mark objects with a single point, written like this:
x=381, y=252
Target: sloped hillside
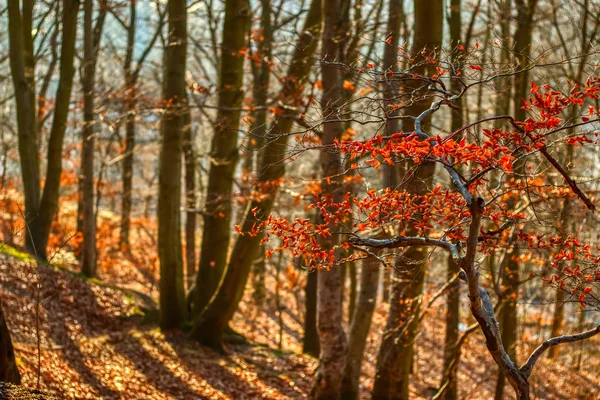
x=97, y=341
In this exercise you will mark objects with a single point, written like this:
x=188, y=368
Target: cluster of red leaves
x=441, y=212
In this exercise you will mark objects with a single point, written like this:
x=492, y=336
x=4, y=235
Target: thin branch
x=528, y=366
x=404, y=241
x=588, y=203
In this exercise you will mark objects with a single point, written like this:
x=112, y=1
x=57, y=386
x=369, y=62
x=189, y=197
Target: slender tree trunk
x=224, y=155
x=452, y=321
x=210, y=323
x=332, y=357
x=391, y=100
x=557, y=320
x=189, y=153
x=172, y=294
x=127, y=174
x=453, y=296
x=22, y=71
x=396, y=353
x=130, y=128
x=40, y=211
x=9, y=372
x=503, y=85
x=310, y=342
x=88, y=266
x=353, y=290
x=40, y=226
x=359, y=329
x=262, y=76
x=508, y=318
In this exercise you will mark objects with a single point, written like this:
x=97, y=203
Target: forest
x=287, y=199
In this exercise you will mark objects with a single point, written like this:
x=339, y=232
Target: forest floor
x=85, y=339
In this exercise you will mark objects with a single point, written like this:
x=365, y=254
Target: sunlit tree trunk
x=23, y=76
x=189, y=156
x=210, y=323
x=90, y=44
x=359, y=329
x=172, y=294
x=130, y=128
x=457, y=121
x=261, y=70
x=39, y=212
x=310, y=341
x=223, y=155
x=510, y=279
x=397, y=349
x=333, y=346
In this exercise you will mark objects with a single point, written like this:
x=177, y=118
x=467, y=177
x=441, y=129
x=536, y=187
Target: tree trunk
x=88, y=266
x=172, y=294
x=452, y=321
x=508, y=317
x=130, y=128
x=211, y=322
x=359, y=329
x=9, y=372
x=189, y=153
x=224, y=155
x=395, y=357
x=332, y=357
x=23, y=76
x=40, y=226
x=310, y=342
x=127, y=174
x=453, y=296
x=40, y=212
x=351, y=270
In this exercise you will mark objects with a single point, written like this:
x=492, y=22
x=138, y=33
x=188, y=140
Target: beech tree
x=40, y=206
x=210, y=323
x=172, y=293
x=449, y=215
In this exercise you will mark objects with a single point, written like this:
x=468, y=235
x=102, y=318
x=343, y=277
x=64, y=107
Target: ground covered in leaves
x=83, y=339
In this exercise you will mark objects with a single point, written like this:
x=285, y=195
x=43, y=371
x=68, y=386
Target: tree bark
x=189, y=153
x=332, y=357
x=40, y=226
x=130, y=128
x=172, y=294
x=453, y=297
x=9, y=372
x=211, y=322
x=359, y=329
x=88, y=261
x=310, y=341
x=508, y=317
x=395, y=357
x=224, y=155
x=39, y=212
x=22, y=71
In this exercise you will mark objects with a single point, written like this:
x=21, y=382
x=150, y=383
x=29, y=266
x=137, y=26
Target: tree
x=210, y=323
x=359, y=328
x=511, y=276
x=395, y=357
x=172, y=293
x=223, y=155
x=332, y=338
x=132, y=68
x=9, y=372
x=455, y=210
x=91, y=44
x=40, y=207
